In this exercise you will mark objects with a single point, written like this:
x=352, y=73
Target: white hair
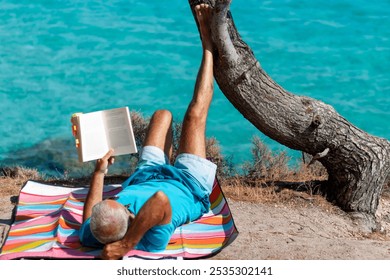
x=108, y=223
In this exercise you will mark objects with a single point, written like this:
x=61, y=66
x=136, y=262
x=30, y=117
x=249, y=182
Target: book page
x=119, y=131
x=93, y=136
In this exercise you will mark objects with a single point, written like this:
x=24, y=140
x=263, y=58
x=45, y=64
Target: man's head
x=109, y=221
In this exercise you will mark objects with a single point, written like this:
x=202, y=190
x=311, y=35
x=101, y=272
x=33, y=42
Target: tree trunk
x=358, y=164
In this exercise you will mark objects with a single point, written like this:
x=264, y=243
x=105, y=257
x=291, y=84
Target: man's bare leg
x=160, y=132
x=193, y=139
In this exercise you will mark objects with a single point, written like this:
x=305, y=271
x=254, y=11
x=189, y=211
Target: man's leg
x=157, y=146
x=160, y=132
x=193, y=139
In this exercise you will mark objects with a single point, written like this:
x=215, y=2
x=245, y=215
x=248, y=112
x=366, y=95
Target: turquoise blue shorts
x=199, y=169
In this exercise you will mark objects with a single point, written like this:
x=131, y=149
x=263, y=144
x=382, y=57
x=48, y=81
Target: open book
x=95, y=133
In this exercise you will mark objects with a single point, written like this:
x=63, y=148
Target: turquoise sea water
x=60, y=57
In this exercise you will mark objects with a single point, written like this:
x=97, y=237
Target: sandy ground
x=279, y=231
x=307, y=233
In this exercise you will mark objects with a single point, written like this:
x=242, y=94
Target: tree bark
x=358, y=164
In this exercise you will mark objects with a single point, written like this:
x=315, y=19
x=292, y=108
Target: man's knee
x=196, y=115
x=162, y=116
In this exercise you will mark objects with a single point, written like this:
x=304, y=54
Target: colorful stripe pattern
x=48, y=219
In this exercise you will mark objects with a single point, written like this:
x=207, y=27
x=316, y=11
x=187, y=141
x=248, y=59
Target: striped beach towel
x=48, y=219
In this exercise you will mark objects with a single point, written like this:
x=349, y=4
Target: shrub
x=266, y=165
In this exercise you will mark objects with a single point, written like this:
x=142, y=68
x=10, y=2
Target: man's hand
x=103, y=163
x=115, y=250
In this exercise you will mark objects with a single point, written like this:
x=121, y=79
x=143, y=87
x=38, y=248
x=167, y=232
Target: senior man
x=158, y=197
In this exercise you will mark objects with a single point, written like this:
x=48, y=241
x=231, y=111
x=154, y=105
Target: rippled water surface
x=61, y=57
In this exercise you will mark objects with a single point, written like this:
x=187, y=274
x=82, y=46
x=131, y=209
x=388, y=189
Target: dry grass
x=376, y=235
x=273, y=193
x=12, y=179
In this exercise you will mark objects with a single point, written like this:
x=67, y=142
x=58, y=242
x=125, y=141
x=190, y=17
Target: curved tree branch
x=358, y=163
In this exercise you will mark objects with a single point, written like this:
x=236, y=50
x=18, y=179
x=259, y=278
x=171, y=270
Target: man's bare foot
x=203, y=14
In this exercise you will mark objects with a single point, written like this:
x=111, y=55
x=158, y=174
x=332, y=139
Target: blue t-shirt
x=187, y=197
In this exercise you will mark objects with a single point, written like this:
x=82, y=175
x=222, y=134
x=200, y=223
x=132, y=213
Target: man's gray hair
x=108, y=223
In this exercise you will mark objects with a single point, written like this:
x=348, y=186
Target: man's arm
x=156, y=211
x=95, y=193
